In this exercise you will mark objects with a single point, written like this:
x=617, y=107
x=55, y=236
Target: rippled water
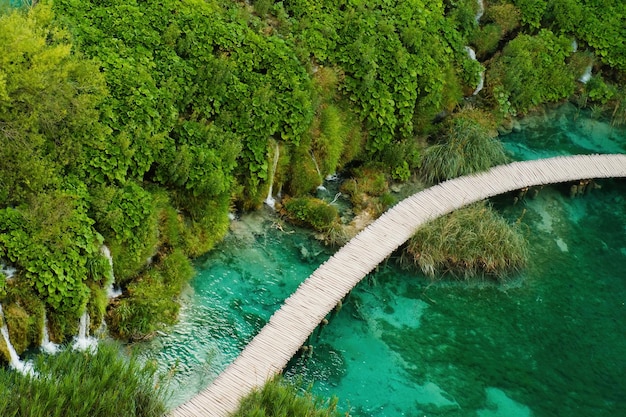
x=238, y=287
x=549, y=343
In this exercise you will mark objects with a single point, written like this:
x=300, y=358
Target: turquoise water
x=549, y=343
x=238, y=287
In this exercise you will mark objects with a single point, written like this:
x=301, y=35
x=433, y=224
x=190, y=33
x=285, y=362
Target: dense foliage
x=90, y=384
x=137, y=126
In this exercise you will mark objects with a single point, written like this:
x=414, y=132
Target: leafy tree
x=51, y=241
x=48, y=98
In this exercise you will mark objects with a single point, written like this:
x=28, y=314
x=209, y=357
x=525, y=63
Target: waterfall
x=481, y=83
x=22, y=367
x=111, y=290
x=83, y=341
x=46, y=345
x=587, y=75
x=317, y=168
x=574, y=45
x=8, y=271
x=480, y=12
x=270, y=199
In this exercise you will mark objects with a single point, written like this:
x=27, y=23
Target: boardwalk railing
x=289, y=328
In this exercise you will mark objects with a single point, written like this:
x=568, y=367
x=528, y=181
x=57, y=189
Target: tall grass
x=279, y=398
x=468, y=145
x=469, y=242
x=77, y=384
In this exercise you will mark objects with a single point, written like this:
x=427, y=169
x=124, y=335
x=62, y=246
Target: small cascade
x=481, y=83
x=83, y=341
x=270, y=199
x=112, y=291
x=587, y=75
x=46, y=345
x=480, y=12
x=319, y=173
x=574, y=45
x=17, y=364
x=7, y=270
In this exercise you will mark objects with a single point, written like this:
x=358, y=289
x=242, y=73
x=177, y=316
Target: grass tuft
x=279, y=398
x=467, y=243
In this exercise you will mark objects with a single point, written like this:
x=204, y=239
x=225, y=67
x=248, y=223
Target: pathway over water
x=289, y=328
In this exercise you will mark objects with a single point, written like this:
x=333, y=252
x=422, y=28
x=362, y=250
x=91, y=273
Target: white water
x=480, y=12
x=587, y=75
x=319, y=173
x=112, y=291
x=270, y=201
x=46, y=345
x=481, y=83
x=574, y=45
x=8, y=271
x=83, y=341
x=15, y=362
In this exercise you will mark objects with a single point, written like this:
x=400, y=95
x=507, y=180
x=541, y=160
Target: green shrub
x=598, y=91
x=506, y=16
x=311, y=212
x=151, y=302
x=278, y=398
x=486, y=39
x=128, y=220
x=83, y=384
x=471, y=241
x=532, y=71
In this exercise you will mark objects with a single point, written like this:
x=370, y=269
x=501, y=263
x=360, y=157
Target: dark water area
x=550, y=342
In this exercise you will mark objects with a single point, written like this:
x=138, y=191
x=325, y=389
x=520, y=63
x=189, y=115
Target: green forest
x=140, y=126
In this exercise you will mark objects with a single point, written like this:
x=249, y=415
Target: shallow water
x=237, y=288
x=549, y=343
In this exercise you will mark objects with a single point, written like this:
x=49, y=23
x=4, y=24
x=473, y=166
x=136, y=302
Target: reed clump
x=279, y=398
x=90, y=384
x=473, y=241
x=468, y=145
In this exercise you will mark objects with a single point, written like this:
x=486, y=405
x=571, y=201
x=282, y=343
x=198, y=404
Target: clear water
x=238, y=287
x=549, y=343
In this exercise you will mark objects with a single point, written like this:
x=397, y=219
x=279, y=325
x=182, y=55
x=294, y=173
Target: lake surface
x=551, y=342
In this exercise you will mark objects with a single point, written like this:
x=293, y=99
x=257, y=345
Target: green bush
x=311, y=212
x=469, y=242
x=83, y=384
x=151, y=301
x=128, y=220
x=486, y=39
x=532, y=70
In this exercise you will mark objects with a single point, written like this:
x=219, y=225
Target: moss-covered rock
x=310, y=212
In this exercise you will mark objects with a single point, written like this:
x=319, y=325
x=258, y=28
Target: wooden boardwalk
x=289, y=328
